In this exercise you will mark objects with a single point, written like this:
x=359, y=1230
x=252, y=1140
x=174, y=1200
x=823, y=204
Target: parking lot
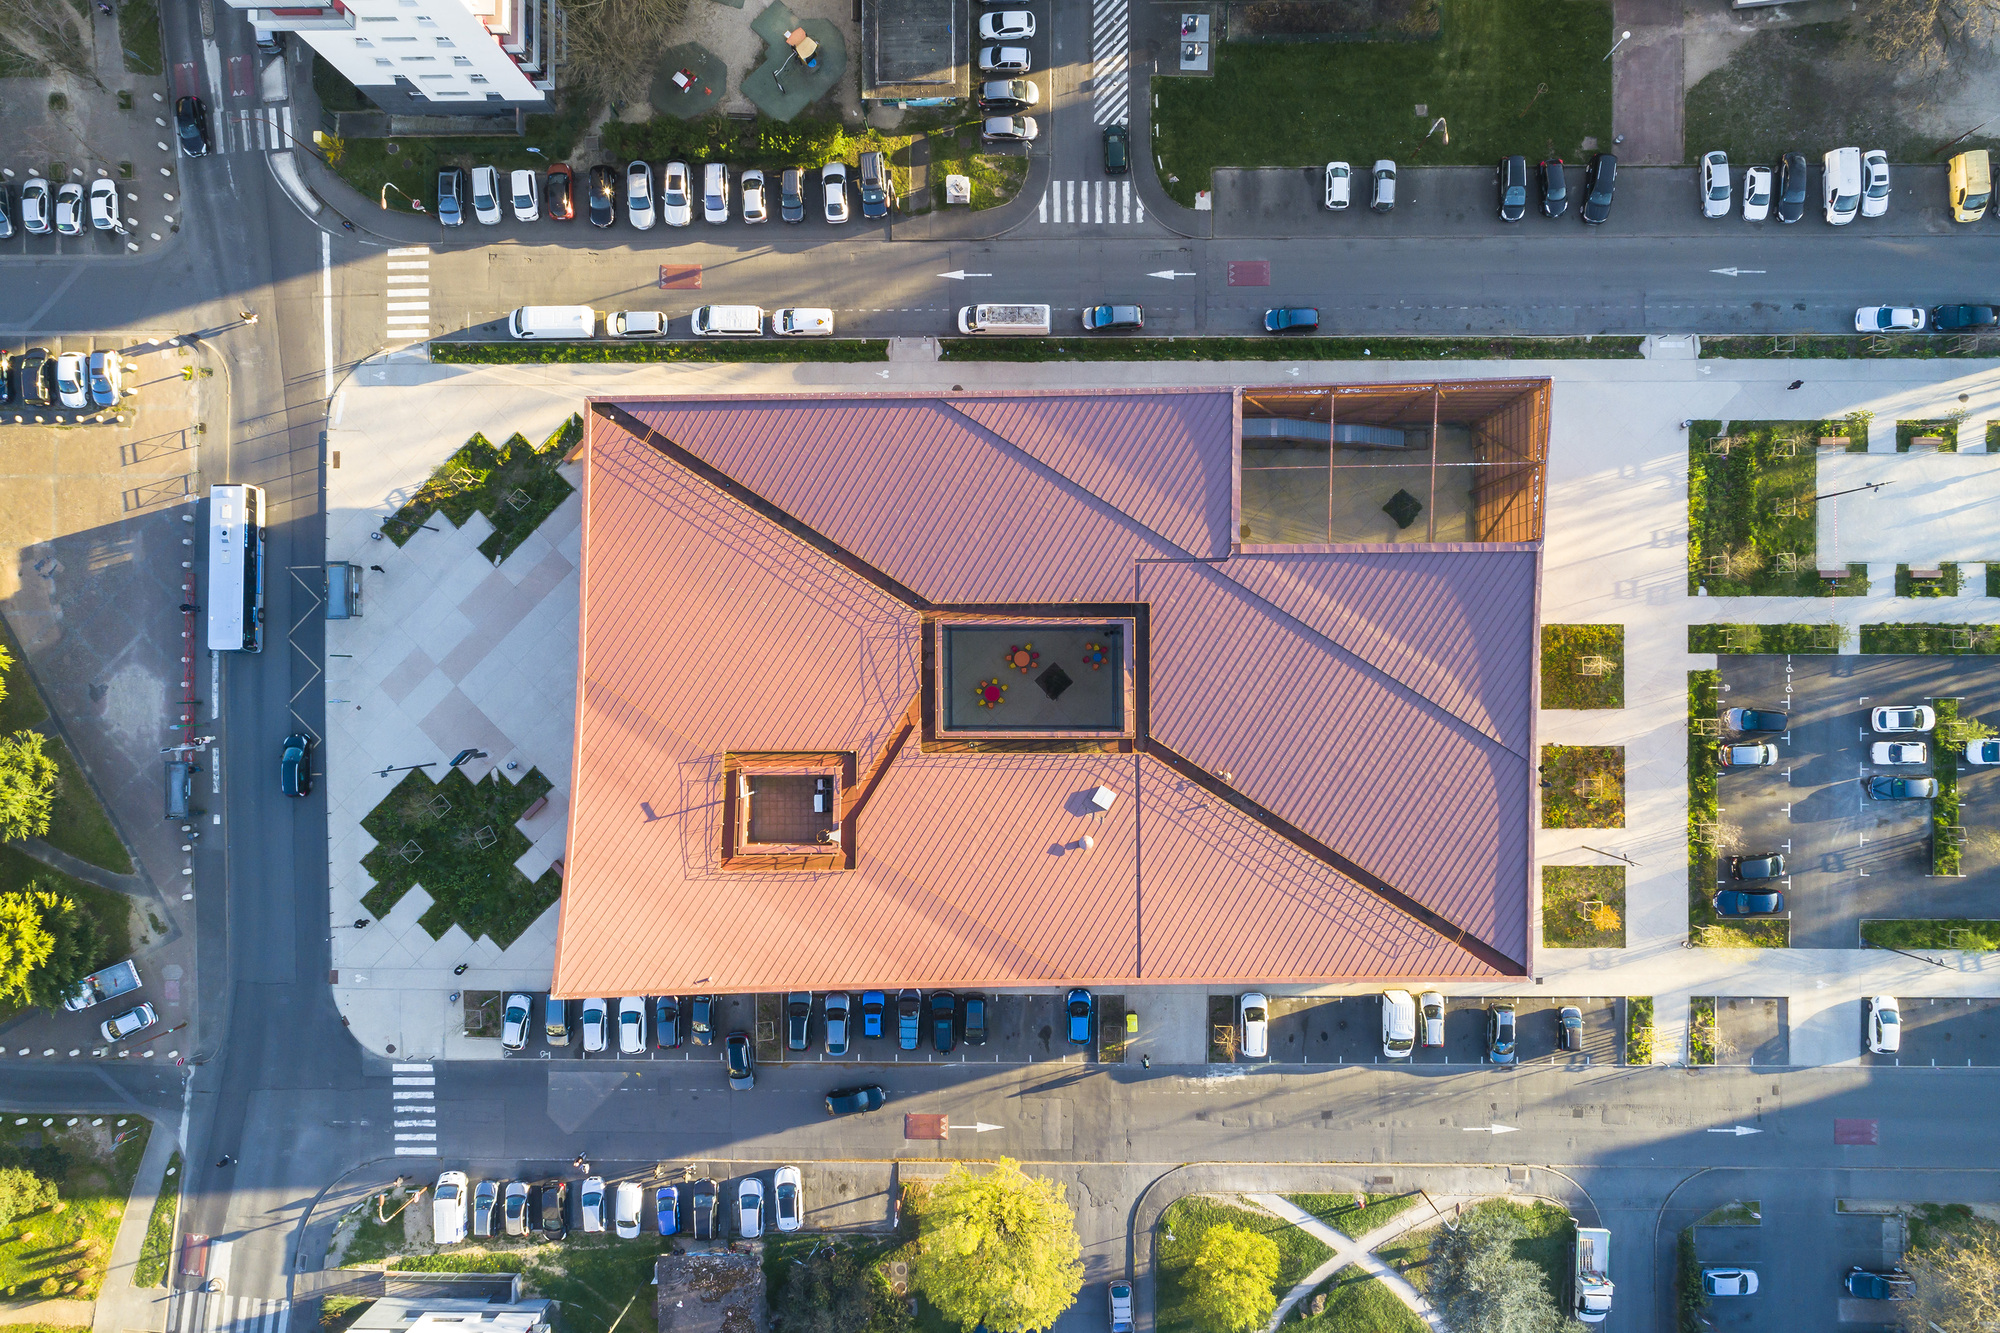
x=1348, y=1030
x=1939, y=1032
x=1850, y=857
x=1752, y=1031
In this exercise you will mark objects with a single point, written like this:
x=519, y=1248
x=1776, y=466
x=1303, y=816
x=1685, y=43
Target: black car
x=1963, y=317
x=6, y=218
x=1569, y=1029
x=1117, y=150
x=854, y=1101
x=1771, y=866
x=603, y=196
x=1750, y=721
x=1882, y=787
x=737, y=1059
x=1747, y=902
x=667, y=1022
x=191, y=126
x=557, y=202
x=702, y=1209
x=701, y=1020
x=1893, y=1285
x=35, y=377
x=975, y=1020
x=1598, y=183
x=792, y=195
x=1513, y=178
x=798, y=1019
x=1555, y=188
x=1792, y=187
x=552, y=1209
x=944, y=1011
x=6, y=378
x=295, y=765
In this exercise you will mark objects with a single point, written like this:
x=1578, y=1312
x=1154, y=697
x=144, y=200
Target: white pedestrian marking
x=1110, y=67
x=1098, y=203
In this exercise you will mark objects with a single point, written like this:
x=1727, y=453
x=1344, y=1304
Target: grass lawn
x=1179, y=1233
x=1583, y=666
x=1933, y=1223
x=1567, y=922
x=1914, y=638
x=77, y=823
x=1979, y=936
x=1583, y=786
x=1338, y=1210
x=1356, y=1303
x=1410, y=1255
x=1741, y=1213
x=1766, y=638
x=139, y=34
x=112, y=910
x=1843, y=346
x=21, y=707
x=156, y=1251
x=1639, y=1030
x=1945, y=428
x=781, y=349
x=515, y=485
x=1289, y=349
x=1509, y=76
x=63, y=1250
x=1701, y=1030
x=1751, y=511
x=996, y=177
x=476, y=887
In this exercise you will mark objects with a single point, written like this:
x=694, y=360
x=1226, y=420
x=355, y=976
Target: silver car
x=35, y=207
x=1715, y=185
x=756, y=206
x=639, y=194
x=833, y=186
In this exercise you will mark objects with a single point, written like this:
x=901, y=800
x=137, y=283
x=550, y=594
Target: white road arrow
x=960, y=275
x=1735, y=272
x=1490, y=1129
x=1170, y=274
x=979, y=1128
x=1738, y=1130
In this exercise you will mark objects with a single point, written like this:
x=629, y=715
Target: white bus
x=236, y=569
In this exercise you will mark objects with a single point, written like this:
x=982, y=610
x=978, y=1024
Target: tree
x=998, y=1247
x=27, y=786
x=22, y=1192
x=25, y=944
x=1957, y=1284
x=47, y=945
x=1231, y=1278
x=1483, y=1286
x=1927, y=34
x=838, y=1290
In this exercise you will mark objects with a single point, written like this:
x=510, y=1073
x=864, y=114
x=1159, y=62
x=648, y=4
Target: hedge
x=1080, y=348
x=585, y=353
x=1795, y=638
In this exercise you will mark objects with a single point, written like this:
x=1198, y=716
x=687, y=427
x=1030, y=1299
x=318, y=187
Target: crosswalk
x=409, y=298
x=255, y=130
x=1110, y=58
x=1105, y=202
x=414, y=1099
x=219, y=1312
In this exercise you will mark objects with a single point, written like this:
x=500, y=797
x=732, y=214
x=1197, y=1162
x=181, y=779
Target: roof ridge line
x=1367, y=879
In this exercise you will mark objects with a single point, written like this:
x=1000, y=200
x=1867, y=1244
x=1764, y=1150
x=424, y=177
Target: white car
x=1888, y=319
x=1339, y=185
x=1431, y=1006
x=715, y=193
x=625, y=1209
x=836, y=1001
x=1756, y=194
x=1006, y=25
x=104, y=206
x=1885, y=1025
x=1010, y=129
x=1982, y=752
x=1728, y=1282
x=69, y=209
x=1715, y=185
x=486, y=195
x=35, y=207
x=674, y=205
x=639, y=193
x=1900, y=752
x=756, y=205
x=750, y=1208
x=514, y=1211
x=1005, y=60
x=448, y=1205
x=590, y=1204
x=803, y=321
x=1874, y=183
x=595, y=1025
x=1399, y=1024
x=72, y=390
x=527, y=201
x=1894, y=721
x=1254, y=1014
x=833, y=186
x=636, y=324
x=632, y=1025
x=127, y=1023
x=790, y=1208
x=1748, y=755
x=514, y=1022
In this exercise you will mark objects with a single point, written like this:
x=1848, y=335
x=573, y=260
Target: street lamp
x=465, y=755
x=387, y=186
x=398, y=768
x=1622, y=38
x=1871, y=486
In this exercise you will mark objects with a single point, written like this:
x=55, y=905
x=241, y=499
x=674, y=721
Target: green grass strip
x=1926, y=933
x=157, y=1249
x=1289, y=349
x=1639, y=1030
x=139, y=35
x=1917, y=638
x=1796, y=638
x=1340, y=1212
x=77, y=822
x=1843, y=347
x=591, y=353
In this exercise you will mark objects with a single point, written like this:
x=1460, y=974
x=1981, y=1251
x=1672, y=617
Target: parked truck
x=1590, y=1274
x=118, y=979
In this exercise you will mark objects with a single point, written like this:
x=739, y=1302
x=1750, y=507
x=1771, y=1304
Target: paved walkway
x=1646, y=77
x=122, y=1307
x=1358, y=1252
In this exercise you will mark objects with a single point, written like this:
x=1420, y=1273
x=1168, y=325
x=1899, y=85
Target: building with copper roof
x=1011, y=690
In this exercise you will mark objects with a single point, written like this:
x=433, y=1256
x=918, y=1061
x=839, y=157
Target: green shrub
x=1946, y=837
x=1583, y=666
x=1744, y=639
x=1945, y=428
x=1918, y=638
x=1289, y=349
x=720, y=350
x=1944, y=587
x=1932, y=933
x=1639, y=1030
x=1701, y=1030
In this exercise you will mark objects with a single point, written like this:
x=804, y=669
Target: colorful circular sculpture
x=991, y=693
x=1095, y=655
x=1022, y=656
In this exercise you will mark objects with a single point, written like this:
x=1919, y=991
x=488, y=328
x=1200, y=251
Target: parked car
x=701, y=1020
x=1119, y=1297
x=854, y=1101
x=1884, y=788
x=1253, y=1016
x=191, y=126
x=1748, y=902
x=1008, y=95
x=1885, y=1025
x=35, y=206
x=603, y=196
x=295, y=765
x=705, y=1202
x=1728, y=1282
x=106, y=379
x=756, y=205
x=1430, y=1015
x=833, y=191
x=558, y=190
x=667, y=1210
x=1117, y=150
x=1513, y=182
x=1868, y=1285
x=1747, y=756
x=835, y=1008
x=1715, y=185
x=1751, y=720
x=1500, y=1034
x=514, y=1208
x=1889, y=319
x=1756, y=194
x=632, y=1025
x=1097, y=318
x=750, y=1207
x=1081, y=1010
x=1399, y=1024
x=792, y=195
x=1339, y=185
x=1950, y=318
x=1892, y=720
x=1569, y=1028
x=555, y=1021
x=944, y=1014
x=1792, y=187
x=736, y=1056
x=132, y=1021
x=798, y=1020
x=1982, y=752
x=788, y=1207
x=525, y=198
x=625, y=1209
x=1009, y=129
x=636, y=324
x=1555, y=187
x=1005, y=60
x=974, y=1006
x=639, y=193
x=514, y=1021
x=873, y=1005
x=909, y=1018
x=486, y=195
x=676, y=210
x=72, y=387
x=552, y=1210
x=1899, y=752
x=1291, y=319
x=595, y=1025
x=666, y=1022
x=1006, y=25
x=34, y=377
x=1599, y=183
x=1771, y=865
x=1382, y=185
x=69, y=209
x=104, y=207
x=448, y=1207
x=1874, y=183
x=590, y=1205
x=485, y=1195
x=715, y=192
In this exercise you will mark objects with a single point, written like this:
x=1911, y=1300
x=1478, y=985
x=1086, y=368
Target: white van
x=448, y=1208
x=1399, y=1024
x=1841, y=185
x=728, y=321
x=1007, y=320
x=553, y=321
x=798, y=321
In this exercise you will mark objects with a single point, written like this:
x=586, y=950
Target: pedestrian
x=378, y=569
x=1796, y=384
x=102, y=7
x=224, y=1161
x=346, y=225
x=459, y=971
x=1145, y=1062
x=578, y=1163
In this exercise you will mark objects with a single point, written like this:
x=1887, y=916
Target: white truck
x=1590, y=1269
x=118, y=979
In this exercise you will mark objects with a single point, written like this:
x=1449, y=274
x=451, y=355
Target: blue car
x=873, y=1004
x=1291, y=319
x=667, y=1208
x=1082, y=1010
x=909, y=1018
x=1747, y=902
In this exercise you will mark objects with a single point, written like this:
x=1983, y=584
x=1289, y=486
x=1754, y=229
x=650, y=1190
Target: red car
x=557, y=199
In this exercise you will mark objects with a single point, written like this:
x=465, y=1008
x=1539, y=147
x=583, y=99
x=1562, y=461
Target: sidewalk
x=121, y=1307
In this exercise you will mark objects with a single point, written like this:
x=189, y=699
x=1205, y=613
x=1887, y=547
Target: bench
x=1928, y=575
x=1834, y=575
x=1926, y=444
x=1833, y=441
x=541, y=803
